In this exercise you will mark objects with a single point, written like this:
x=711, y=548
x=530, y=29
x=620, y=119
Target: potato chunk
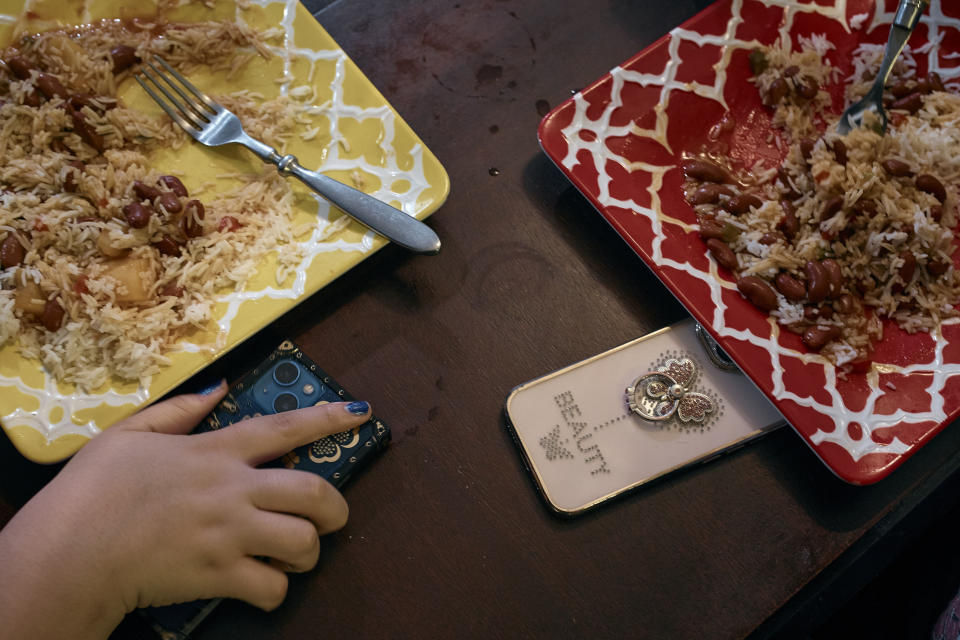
x=136, y=275
x=107, y=249
x=29, y=298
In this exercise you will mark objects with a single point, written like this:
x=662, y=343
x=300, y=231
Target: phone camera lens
x=285, y=402
x=286, y=373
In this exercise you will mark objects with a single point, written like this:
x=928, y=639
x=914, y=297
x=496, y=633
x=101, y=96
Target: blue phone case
x=262, y=391
x=287, y=379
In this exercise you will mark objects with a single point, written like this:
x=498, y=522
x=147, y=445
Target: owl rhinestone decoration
x=665, y=393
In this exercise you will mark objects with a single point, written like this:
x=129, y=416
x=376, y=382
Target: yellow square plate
x=358, y=131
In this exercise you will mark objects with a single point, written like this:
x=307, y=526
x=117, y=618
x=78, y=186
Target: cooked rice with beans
x=848, y=229
x=105, y=261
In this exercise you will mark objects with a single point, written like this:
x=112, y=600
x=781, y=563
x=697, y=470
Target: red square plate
x=621, y=140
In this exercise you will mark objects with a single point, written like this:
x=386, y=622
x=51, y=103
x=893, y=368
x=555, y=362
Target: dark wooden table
x=447, y=537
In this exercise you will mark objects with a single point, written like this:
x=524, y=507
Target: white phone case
x=584, y=443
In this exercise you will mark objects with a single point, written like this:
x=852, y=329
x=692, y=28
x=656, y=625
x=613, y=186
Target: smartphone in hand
x=285, y=380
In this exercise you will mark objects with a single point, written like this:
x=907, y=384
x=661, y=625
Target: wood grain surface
x=447, y=537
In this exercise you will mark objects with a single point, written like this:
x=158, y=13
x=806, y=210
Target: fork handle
x=393, y=224
x=908, y=13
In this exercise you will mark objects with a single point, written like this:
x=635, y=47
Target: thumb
x=177, y=415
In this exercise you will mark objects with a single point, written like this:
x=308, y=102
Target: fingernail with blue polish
x=358, y=407
x=210, y=388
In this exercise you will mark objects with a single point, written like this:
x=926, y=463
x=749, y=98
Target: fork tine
x=207, y=100
x=187, y=100
x=174, y=114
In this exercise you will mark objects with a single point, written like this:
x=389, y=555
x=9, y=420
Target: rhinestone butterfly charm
x=660, y=395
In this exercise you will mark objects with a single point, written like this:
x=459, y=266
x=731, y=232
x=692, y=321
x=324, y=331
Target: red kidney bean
x=52, y=316
x=806, y=147
x=167, y=246
x=901, y=88
x=937, y=268
x=100, y=104
x=191, y=223
x=910, y=103
x=789, y=224
x=810, y=312
x=51, y=86
x=145, y=191
x=866, y=208
x=80, y=286
x=228, y=224
x=826, y=311
x=930, y=184
x=85, y=131
x=32, y=99
x=791, y=288
x=839, y=151
x=173, y=184
x=19, y=66
x=807, y=88
x=197, y=207
x=935, y=81
x=816, y=337
x=759, y=292
x=70, y=179
x=896, y=168
x=788, y=191
x=722, y=253
x=831, y=207
x=705, y=170
x=768, y=239
x=80, y=100
x=12, y=252
x=137, y=215
x=908, y=267
x=124, y=57
x=777, y=91
x=171, y=289
x=936, y=212
x=169, y=202
x=834, y=275
x=907, y=305
x=791, y=71
x=708, y=193
x=70, y=182
x=711, y=229
x=742, y=203
x=818, y=282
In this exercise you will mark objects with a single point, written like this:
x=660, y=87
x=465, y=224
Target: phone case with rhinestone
x=611, y=423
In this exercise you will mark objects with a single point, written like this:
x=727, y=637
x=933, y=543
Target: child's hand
x=144, y=515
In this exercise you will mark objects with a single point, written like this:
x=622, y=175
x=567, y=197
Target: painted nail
x=358, y=407
x=210, y=388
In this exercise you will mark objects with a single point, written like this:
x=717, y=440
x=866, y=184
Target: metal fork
x=906, y=19
x=213, y=125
